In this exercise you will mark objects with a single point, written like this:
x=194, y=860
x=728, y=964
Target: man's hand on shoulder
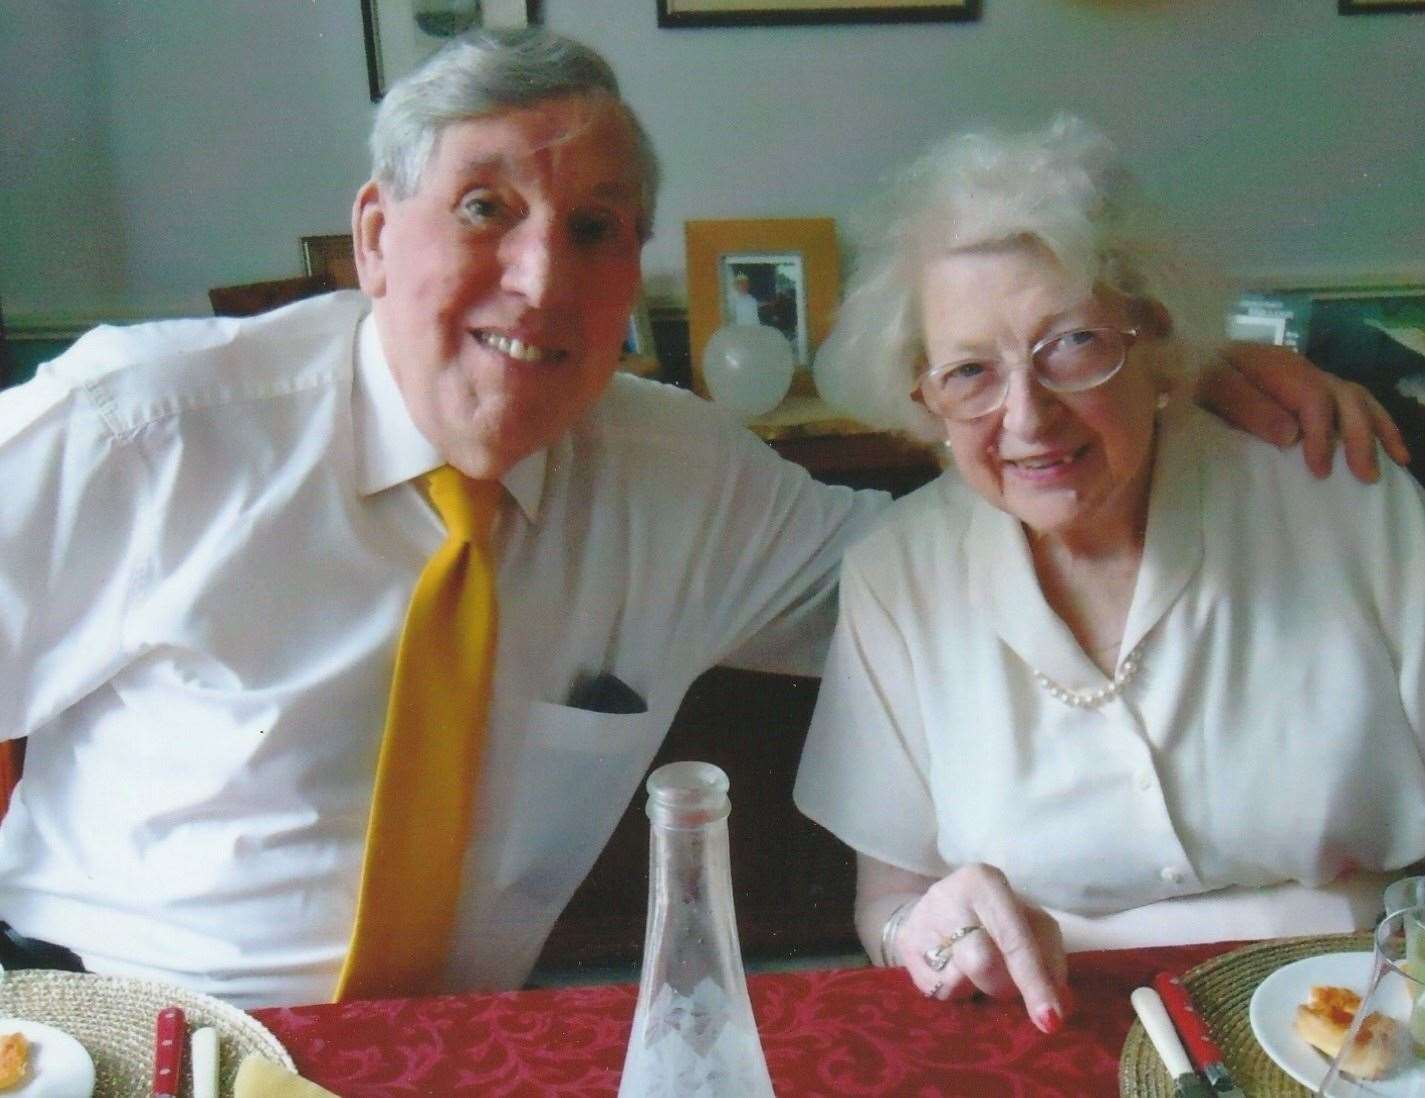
x=1277, y=395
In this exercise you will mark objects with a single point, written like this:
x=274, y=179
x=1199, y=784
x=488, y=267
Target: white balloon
x=748, y=368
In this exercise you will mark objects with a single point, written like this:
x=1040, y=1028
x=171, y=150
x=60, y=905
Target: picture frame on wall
x=1378, y=7
x=764, y=13
x=783, y=273
x=400, y=34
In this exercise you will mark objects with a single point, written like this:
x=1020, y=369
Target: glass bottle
x=693, y=1031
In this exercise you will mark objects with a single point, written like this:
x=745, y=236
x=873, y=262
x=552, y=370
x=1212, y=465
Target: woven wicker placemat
x=1222, y=989
x=113, y=1017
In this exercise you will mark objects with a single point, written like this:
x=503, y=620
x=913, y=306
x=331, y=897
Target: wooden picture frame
x=1378, y=7
x=331, y=257
x=400, y=34
x=765, y=13
x=791, y=268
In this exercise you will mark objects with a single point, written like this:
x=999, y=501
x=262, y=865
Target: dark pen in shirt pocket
x=605, y=693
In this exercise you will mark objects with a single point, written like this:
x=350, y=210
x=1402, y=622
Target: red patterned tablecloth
x=837, y=1032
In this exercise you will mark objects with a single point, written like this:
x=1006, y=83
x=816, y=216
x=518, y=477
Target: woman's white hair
x=1062, y=187
x=483, y=73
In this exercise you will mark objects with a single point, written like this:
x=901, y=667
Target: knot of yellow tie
x=467, y=507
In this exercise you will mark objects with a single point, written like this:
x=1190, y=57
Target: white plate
x=59, y=1067
x=1274, y=1006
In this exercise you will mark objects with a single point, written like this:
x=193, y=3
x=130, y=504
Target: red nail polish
x=1049, y=1021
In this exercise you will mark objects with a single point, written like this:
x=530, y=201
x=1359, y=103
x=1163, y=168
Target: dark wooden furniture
x=330, y=265
x=12, y=765
x=794, y=882
x=252, y=298
x=7, y=368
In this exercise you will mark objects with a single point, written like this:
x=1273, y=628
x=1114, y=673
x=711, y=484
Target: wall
x=56, y=193
x=153, y=149
x=219, y=132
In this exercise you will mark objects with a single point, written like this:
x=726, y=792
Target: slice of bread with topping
x=14, y=1059
x=1324, y=1019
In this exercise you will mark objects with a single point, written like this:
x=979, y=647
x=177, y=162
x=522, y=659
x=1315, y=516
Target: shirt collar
x=1174, y=541
x=390, y=448
x=1003, y=584
x=1005, y=589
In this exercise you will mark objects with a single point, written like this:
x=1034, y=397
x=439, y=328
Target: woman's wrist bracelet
x=889, y=957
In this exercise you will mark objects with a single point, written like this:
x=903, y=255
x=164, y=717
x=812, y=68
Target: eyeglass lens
x=1068, y=362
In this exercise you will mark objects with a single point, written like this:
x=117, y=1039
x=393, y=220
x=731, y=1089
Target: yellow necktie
x=430, y=754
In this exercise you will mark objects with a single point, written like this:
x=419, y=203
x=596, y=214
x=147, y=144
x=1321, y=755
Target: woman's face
x=1073, y=465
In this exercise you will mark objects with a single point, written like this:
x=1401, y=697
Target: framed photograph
x=332, y=258
x=639, y=340
x=763, y=13
x=780, y=273
x=400, y=34
x=639, y=355
x=1376, y=7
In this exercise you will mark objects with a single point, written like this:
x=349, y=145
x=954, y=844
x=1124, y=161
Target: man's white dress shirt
x=1271, y=742
x=211, y=534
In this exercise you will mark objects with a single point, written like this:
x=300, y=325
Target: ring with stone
x=937, y=957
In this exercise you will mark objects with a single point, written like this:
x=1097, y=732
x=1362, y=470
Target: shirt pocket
x=571, y=777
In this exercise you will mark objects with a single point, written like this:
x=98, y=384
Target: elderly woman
x=1124, y=676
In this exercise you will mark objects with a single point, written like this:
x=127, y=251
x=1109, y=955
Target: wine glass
x=1384, y=1051
x=1406, y=892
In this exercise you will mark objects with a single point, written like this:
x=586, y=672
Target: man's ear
x=368, y=219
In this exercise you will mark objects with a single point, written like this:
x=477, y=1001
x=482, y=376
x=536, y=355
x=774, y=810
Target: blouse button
x=1145, y=781
x=1171, y=875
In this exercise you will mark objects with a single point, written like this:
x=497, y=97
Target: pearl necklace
x=1092, y=699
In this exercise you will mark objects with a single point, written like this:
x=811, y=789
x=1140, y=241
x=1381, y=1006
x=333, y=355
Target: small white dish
x=59, y=1066
x=1273, y=1009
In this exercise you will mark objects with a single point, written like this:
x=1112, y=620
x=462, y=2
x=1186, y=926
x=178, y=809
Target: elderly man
x=222, y=537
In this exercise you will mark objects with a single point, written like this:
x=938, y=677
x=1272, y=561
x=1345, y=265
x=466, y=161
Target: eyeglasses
x=1068, y=362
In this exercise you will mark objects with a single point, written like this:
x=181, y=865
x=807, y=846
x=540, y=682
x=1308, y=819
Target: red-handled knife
x=1200, y=1045
x=169, y=1033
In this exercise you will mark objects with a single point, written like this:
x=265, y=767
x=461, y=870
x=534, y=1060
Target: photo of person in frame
x=769, y=290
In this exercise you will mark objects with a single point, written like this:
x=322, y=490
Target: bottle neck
x=692, y=928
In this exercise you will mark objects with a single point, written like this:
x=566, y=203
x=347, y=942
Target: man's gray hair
x=482, y=73
x=1063, y=187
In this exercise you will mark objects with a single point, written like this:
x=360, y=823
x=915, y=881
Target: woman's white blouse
x=1273, y=733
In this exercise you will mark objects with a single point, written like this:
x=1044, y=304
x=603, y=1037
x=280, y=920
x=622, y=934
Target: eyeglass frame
x=1130, y=337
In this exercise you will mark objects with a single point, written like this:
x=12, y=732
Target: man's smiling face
x=502, y=287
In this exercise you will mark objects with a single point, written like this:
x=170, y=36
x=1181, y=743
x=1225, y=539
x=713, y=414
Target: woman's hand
x=1014, y=949
x=1277, y=395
